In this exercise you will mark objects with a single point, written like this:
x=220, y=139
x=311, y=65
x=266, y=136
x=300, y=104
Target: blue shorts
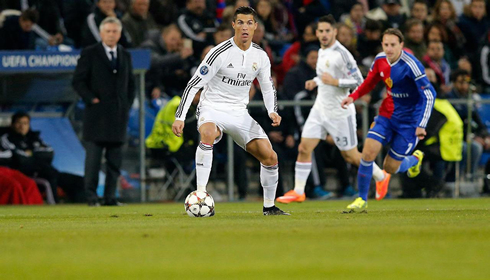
x=401, y=137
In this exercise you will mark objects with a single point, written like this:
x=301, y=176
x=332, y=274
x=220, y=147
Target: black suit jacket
x=94, y=77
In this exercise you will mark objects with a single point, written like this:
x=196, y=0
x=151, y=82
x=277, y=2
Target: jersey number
x=341, y=141
x=410, y=145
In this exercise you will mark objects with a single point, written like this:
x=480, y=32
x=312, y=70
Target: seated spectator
x=30, y=155
x=437, y=32
x=90, y=30
x=461, y=90
x=445, y=15
x=75, y=14
x=306, y=12
x=345, y=35
x=369, y=43
x=170, y=63
x=274, y=31
x=292, y=56
x=341, y=9
x=474, y=25
x=355, y=20
x=50, y=28
x=297, y=76
x=164, y=12
x=414, y=38
x=223, y=33
x=389, y=14
x=197, y=24
x=485, y=64
x=138, y=22
x=17, y=188
x=16, y=29
x=420, y=11
x=230, y=10
x=434, y=59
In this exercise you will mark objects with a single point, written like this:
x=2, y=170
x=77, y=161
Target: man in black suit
x=104, y=80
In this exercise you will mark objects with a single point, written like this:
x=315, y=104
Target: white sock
x=269, y=176
x=378, y=174
x=301, y=172
x=204, y=161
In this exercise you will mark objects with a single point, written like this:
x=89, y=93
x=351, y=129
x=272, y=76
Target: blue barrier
x=48, y=61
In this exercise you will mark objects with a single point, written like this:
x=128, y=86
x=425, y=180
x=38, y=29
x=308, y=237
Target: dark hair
x=19, y=115
x=435, y=42
x=411, y=23
x=457, y=73
x=424, y=2
x=328, y=19
x=30, y=15
x=394, y=31
x=244, y=10
x=373, y=25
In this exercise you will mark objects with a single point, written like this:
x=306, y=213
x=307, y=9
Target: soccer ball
x=199, y=204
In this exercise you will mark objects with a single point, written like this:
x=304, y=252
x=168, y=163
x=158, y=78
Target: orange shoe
x=382, y=186
x=291, y=196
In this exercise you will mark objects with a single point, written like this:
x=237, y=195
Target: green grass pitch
x=397, y=239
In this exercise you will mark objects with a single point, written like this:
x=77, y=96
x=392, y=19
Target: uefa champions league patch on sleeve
x=204, y=70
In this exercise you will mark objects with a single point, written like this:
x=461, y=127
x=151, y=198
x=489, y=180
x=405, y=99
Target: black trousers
x=113, y=156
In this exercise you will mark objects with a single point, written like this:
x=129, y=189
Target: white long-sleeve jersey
x=226, y=75
x=340, y=64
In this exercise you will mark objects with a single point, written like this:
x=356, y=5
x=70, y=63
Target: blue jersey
x=410, y=96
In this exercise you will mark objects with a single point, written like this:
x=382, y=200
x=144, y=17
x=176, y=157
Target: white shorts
x=343, y=130
x=242, y=128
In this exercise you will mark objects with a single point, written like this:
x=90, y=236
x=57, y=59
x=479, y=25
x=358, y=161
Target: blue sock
x=364, y=176
x=407, y=163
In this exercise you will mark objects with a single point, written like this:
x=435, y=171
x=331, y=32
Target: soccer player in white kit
x=226, y=75
x=337, y=73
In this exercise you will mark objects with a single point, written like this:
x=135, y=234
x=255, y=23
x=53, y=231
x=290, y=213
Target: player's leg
x=302, y=170
x=313, y=131
x=400, y=158
x=378, y=135
x=382, y=178
x=262, y=150
x=204, y=153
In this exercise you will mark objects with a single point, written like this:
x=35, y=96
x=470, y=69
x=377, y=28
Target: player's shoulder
x=257, y=47
x=379, y=56
x=344, y=53
x=215, y=52
x=412, y=63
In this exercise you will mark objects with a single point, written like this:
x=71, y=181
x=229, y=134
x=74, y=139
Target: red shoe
x=291, y=196
x=382, y=186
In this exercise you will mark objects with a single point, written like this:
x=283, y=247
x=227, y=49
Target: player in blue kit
x=403, y=115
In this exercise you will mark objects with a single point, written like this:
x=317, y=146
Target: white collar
x=109, y=49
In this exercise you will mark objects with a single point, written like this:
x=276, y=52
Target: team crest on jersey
x=255, y=67
x=204, y=70
x=327, y=63
x=389, y=82
x=382, y=74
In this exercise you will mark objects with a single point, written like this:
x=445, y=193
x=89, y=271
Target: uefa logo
x=204, y=70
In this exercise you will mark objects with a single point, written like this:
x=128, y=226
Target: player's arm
x=367, y=86
x=426, y=100
x=349, y=69
x=269, y=92
x=204, y=73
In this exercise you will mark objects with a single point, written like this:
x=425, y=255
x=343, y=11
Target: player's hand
x=329, y=80
x=276, y=119
x=310, y=85
x=178, y=127
x=420, y=133
x=346, y=102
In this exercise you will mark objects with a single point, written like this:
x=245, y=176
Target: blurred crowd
x=450, y=37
